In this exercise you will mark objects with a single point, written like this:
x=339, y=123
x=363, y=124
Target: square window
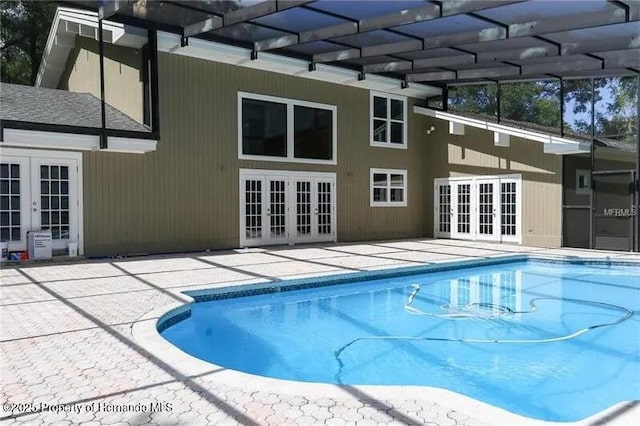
x=583, y=182
x=388, y=188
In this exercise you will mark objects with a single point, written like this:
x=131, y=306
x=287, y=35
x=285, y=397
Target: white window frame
x=388, y=120
x=388, y=172
x=587, y=175
x=291, y=104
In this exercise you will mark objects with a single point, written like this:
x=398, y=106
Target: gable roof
x=60, y=107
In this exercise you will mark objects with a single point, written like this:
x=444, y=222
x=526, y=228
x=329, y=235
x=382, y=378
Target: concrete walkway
x=66, y=339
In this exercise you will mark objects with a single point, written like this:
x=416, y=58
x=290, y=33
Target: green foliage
x=24, y=26
x=538, y=103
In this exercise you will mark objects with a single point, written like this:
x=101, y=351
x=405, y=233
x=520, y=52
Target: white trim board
x=74, y=142
x=552, y=144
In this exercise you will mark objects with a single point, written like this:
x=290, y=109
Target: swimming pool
x=546, y=340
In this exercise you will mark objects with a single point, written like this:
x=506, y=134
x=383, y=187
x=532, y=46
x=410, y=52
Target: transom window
x=279, y=129
x=388, y=188
x=388, y=120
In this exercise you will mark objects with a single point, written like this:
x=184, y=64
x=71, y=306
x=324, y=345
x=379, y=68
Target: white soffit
x=69, y=23
x=74, y=142
x=552, y=144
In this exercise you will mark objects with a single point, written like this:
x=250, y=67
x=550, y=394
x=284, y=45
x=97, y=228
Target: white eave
x=22, y=138
x=71, y=22
x=552, y=144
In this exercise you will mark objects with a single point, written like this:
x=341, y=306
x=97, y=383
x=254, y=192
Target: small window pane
x=4, y=202
x=64, y=202
x=4, y=218
x=54, y=172
x=44, y=172
x=15, y=187
x=15, y=171
x=379, y=107
x=15, y=234
x=4, y=187
x=55, y=187
x=44, y=203
x=15, y=203
x=397, y=180
x=264, y=128
x=55, y=203
x=379, y=179
x=397, y=195
x=4, y=171
x=313, y=137
x=380, y=194
x=379, y=130
x=55, y=218
x=397, y=109
x=44, y=187
x=15, y=218
x=5, y=234
x=396, y=133
x=44, y=218
x=64, y=172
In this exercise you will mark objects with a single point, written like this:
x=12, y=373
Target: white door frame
x=290, y=196
x=37, y=155
x=474, y=181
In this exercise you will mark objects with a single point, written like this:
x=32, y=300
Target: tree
x=23, y=35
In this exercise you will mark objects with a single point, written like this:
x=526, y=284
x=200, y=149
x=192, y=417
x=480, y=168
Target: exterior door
x=463, y=225
x=487, y=207
x=613, y=210
x=478, y=208
x=443, y=208
x=39, y=193
x=286, y=207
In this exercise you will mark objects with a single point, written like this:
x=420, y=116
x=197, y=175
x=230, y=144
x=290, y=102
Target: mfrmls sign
x=621, y=212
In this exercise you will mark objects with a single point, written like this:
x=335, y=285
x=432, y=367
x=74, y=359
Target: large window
x=388, y=188
x=388, y=120
x=278, y=129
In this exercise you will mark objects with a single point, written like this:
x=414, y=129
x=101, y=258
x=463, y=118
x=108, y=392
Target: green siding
x=184, y=196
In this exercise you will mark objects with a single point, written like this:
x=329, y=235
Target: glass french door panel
x=613, y=211
x=444, y=209
x=277, y=208
x=303, y=209
x=324, y=208
x=253, y=209
x=487, y=227
x=462, y=209
x=14, y=201
x=508, y=209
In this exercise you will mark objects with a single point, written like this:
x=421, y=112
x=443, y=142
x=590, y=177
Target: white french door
x=478, y=208
x=39, y=190
x=283, y=207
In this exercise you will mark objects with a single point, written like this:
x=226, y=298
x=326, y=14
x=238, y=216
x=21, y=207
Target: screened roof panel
x=371, y=38
x=361, y=9
x=248, y=32
x=549, y=36
x=443, y=26
x=543, y=9
x=504, y=44
x=315, y=47
x=431, y=53
x=299, y=20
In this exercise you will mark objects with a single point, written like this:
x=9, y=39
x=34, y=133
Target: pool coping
x=146, y=332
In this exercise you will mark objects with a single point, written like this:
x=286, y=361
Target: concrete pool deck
x=66, y=338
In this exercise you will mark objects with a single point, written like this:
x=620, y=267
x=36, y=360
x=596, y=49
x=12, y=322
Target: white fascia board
x=329, y=74
x=130, y=145
x=552, y=144
x=39, y=139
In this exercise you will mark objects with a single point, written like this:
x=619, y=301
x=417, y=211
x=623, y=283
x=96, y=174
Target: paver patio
x=66, y=339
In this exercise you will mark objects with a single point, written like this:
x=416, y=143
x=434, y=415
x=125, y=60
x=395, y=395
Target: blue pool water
x=551, y=341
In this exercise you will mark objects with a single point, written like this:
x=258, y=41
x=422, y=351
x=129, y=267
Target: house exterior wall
x=185, y=197
x=475, y=154
x=123, y=82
